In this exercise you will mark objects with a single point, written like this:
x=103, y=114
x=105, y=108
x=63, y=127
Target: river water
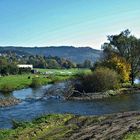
x=31, y=106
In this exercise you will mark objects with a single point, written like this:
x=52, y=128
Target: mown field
x=12, y=82
x=64, y=71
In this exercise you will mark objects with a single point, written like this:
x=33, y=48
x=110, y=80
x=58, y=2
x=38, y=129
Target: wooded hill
x=77, y=55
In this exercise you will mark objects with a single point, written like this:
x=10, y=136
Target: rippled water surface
x=32, y=106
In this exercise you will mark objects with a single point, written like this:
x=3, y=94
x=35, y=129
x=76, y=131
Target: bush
x=102, y=79
x=6, y=88
x=35, y=82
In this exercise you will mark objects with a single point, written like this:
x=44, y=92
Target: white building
x=25, y=66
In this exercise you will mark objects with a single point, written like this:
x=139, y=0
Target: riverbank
x=102, y=95
x=94, y=96
x=15, y=82
x=57, y=126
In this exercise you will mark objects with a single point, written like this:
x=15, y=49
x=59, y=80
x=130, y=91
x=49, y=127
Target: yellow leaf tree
x=119, y=64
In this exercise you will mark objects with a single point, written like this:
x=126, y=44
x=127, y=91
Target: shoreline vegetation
x=67, y=126
x=17, y=82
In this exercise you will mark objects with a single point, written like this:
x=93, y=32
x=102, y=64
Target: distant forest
x=9, y=62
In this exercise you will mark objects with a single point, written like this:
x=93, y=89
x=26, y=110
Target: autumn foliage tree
x=126, y=46
x=118, y=64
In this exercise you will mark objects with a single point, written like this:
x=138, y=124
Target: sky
x=66, y=22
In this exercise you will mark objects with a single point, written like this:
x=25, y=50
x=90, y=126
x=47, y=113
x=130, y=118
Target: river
x=32, y=107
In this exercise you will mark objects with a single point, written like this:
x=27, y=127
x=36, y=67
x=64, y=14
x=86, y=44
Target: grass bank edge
x=15, y=82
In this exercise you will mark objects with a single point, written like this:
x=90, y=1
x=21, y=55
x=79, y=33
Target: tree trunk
x=132, y=75
x=132, y=80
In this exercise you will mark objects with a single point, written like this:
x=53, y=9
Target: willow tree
x=127, y=46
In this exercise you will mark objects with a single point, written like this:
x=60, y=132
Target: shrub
x=6, y=88
x=36, y=82
x=102, y=79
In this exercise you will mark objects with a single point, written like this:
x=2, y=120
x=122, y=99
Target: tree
x=52, y=63
x=116, y=63
x=87, y=64
x=127, y=46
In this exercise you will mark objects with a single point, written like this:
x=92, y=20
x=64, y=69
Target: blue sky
x=66, y=22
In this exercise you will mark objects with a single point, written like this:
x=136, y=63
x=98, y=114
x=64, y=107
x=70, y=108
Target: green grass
x=45, y=127
x=132, y=136
x=64, y=71
x=13, y=82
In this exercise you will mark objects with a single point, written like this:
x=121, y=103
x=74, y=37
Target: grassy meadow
x=13, y=82
x=62, y=72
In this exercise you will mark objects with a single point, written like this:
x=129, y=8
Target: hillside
x=74, y=54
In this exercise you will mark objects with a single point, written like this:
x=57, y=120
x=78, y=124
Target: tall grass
x=36, y=82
